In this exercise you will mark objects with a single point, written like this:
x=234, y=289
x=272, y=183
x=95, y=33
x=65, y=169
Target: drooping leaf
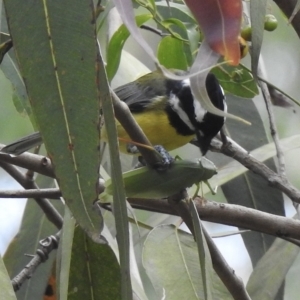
x=120, y=209
x=60, y=70
x=220, y=22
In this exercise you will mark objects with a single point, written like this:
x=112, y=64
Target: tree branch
x=229, y=214
x=233, y=283
x=238, y=153
x=273, y=130
x=51, y=213
x=47, y=245
x=37, y=163
x=52, y=193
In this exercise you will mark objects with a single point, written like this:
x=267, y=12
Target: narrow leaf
x=204, y=255
x=120, y=209
x=59, y=60
x=63, y=259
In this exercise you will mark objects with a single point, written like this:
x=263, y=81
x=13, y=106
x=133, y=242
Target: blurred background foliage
x=280, y=58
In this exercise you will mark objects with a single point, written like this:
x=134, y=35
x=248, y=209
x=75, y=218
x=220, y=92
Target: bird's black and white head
x=188, y=116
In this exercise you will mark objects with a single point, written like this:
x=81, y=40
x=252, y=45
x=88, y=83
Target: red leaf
x=220, y=21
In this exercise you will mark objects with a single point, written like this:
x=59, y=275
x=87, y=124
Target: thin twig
x=37, y=163
x=154, y=30
x=273, y=129
x=50, y=211
x=52, y=193
x=47, y=245
x=238, y=153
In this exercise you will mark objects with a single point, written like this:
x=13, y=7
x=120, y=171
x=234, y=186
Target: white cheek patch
x=186, y=82
x=199, y=111
x=175, y=105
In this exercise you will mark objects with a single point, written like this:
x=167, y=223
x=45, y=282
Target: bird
x=166, y=111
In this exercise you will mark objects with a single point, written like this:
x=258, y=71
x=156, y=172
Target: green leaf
x=236, y=80
x=6, y=291
x=270, y=271
x=170, y=53
x=204, y=255
x=170, y=257
x=94, y=270
x=148, y=183
x=176, y=28
x=116, y=44
x=60, y=68
x=10, y=69
x=171, y=260
x=119, y=204
x=63, y=259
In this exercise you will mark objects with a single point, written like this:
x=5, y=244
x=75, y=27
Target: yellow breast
x=156, y=127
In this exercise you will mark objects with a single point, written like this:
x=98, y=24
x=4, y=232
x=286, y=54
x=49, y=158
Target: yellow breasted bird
x=165, y=109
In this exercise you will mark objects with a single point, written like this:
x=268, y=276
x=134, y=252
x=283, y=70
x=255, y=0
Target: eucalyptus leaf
x=60, y=67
